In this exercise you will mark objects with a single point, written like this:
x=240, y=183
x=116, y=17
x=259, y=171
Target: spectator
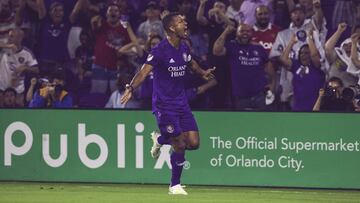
x=27, y=19
x=152, y=23
x=307, y=5
x=248, y=7
x=7, y=19
x=281, y=14
x=18, y=63
x=354, y=68
x=331, y=98
x=248, y=68
x=84, y=55
x=53, y=94
x=54, y=32
x=301, y=26
x=340, y=57
x=10, y=96
x=265, y=34
x=214, y=26
x=233, y=10
x=264, y=31
x=308, y=77
x=110, y=36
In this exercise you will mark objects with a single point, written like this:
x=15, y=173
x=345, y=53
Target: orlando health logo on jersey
x=177, y=67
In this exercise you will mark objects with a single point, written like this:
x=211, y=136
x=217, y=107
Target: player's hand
x=126, y=96
x=208, y=74
x=321, y=92
x=342, y=27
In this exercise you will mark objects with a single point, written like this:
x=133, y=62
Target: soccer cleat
x=177, y=190
x=155, y=149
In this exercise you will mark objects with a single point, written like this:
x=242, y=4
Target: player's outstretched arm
x=135, y=82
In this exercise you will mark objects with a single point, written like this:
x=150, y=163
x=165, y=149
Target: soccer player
x=169, y=62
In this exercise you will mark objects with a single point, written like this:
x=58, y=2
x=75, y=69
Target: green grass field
x=108, y=193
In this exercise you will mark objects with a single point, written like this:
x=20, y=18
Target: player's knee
x=179, y=146
x=193, y=145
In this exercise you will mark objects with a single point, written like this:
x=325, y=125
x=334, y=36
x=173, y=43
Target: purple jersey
x=247, y=63
x=169, y=69
x=307, y=81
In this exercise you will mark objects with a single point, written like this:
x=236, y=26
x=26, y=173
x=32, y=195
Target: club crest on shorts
x=170, y=128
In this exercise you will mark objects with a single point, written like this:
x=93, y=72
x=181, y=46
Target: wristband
x=128, y=86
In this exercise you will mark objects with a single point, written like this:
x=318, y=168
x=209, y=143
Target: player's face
x=244, y=33
x=262, y=16
x=180, y=26
x=298, y=17
x=304, y=56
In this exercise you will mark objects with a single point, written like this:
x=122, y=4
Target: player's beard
x=182, y=36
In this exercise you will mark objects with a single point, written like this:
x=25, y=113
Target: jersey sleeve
x=153, y=58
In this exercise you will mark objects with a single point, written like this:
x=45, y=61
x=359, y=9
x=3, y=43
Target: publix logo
x=84, y=138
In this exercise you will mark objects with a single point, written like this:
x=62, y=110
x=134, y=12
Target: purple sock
x=162, y=139
x=177, y=160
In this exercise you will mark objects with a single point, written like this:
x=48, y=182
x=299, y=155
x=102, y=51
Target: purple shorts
x=174, y=125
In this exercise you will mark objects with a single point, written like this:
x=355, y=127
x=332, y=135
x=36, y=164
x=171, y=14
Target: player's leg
x=189, y=126
x=192, y=140
x=163, y=137
x=177, y=160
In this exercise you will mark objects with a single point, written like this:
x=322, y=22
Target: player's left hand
x=126, y=96
x=208, y=74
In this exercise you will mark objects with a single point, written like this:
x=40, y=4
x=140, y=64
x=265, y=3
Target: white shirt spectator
x=9, y=63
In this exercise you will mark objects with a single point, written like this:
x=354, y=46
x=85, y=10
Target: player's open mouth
x=186, y=30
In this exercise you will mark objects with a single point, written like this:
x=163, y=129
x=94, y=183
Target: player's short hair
x=168, y=20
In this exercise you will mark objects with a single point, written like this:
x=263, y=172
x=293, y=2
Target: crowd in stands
x=270, y=55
